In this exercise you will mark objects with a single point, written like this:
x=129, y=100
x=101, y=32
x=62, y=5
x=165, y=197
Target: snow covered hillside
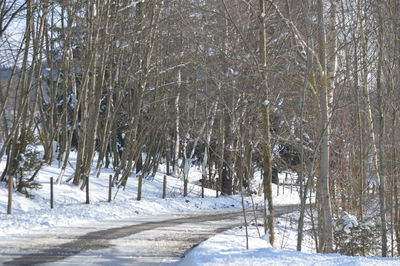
x=70, y=208
x=229, y=248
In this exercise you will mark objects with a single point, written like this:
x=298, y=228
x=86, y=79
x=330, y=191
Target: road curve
x=145, y=241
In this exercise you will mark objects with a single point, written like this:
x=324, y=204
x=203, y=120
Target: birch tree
x=267, y=163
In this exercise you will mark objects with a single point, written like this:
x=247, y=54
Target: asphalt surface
x=161, y=240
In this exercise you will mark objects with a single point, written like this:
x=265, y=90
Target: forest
x=231, y=86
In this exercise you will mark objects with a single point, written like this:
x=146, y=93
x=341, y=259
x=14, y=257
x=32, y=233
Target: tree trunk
x=325, y=214
x=381, y=133
x=266, y=150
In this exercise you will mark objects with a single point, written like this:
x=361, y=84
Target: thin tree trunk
x=325, y=216
x=381, y=133
x=266, y=150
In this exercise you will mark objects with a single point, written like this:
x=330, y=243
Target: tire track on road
x=101, y=239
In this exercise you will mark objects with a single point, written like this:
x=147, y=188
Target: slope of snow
x=70, y=210
x=229, y=248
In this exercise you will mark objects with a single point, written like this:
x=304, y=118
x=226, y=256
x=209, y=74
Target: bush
x=353, y=238
x=29, y=163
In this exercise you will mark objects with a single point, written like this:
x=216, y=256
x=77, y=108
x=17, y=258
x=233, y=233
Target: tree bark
x=325, y=215
x=266, y=150
x=381, y=132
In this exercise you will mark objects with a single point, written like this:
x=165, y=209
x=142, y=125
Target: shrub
x=354, y=238
x=29, y=162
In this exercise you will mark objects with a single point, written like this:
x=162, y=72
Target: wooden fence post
x=51, y=193
x=291, y=185
x=277, y=188
x=185, y=186
x=216, y=187
x=109, y=188
x=140, y=182
x=202, y=188
x=164, y=191
x=87, y=190
x=10, y=190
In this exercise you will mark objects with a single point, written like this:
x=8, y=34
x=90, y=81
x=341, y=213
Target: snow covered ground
x=70, y=210
x=229, y=248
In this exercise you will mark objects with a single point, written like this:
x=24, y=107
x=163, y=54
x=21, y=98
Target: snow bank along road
x=137, y=241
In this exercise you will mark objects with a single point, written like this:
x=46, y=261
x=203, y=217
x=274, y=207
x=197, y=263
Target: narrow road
x=138, y=241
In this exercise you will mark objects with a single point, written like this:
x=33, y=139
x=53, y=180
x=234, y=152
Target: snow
x=33, y=214
x=133, y=4
x=70, y=210
x=349, y=221
x=229, y=248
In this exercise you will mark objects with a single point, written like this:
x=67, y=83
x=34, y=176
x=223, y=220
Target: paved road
x=141, y=241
